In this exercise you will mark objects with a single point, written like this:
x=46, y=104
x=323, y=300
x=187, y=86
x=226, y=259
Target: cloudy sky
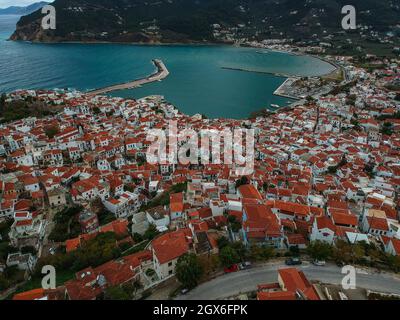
x=7, y=3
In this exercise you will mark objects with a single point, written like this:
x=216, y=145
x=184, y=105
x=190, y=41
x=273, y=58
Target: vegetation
x=66, y=224
x=93, y=253
x=151, y=232
x=319, y=250
x=116, y=293
x=387, y=129
x=127, y=291
x=185, y=20
x=260, y=253
x=19, y=109
x=209, y=264
x=228, y=256
x=51, y=131
x=163, y=199
x=10, y=277
x=242, y=181
x=189, y=270
x=5, y=248
x=234, y=223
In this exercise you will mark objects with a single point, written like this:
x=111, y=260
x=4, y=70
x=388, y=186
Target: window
x=169, y=264
x=170, y=272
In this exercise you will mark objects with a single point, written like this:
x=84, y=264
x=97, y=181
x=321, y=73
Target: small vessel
x=275, y=106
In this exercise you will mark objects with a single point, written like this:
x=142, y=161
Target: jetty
x=276, y=74
x=161, y=73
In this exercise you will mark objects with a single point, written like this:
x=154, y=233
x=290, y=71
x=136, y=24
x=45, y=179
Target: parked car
x=319, y=263
x=340, y=264
x=184, y=291
x=245, y=265
x=232, y=268
x=293, y=261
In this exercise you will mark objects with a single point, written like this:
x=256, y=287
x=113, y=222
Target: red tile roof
x=172, y=245
x=276, y=295
x=295, y=280
x=249, y=191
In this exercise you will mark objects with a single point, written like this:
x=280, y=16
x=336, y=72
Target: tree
x=310, y=100
x=222, y=242
x=319, y=250
x=235, y=224
x=242, y=181
x=2, y=102
x=348, y=253
x=387, y=129
x=228, y=256
x=116, y=293
x=294, y=251
x=188, y=270
x=241, y=250
x=137, y=237
x=260, y=253
x=151, y=232
x=51, y=131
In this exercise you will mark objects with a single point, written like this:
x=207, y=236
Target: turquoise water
x=197, y=81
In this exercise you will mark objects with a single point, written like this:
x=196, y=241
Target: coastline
x=277, y=92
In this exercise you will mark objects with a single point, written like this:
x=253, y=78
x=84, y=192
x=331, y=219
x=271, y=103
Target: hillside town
x=77, y=193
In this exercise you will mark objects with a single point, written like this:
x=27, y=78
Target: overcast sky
x=8, y=3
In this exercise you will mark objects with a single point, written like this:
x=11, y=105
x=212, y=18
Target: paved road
x=245, y=281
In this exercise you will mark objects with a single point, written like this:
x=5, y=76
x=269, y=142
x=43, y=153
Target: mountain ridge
x=170, y=21
x=23, y=10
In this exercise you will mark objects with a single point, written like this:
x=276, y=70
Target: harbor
x=285, y=89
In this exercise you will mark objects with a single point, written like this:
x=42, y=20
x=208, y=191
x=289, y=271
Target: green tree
x=96, y=110
x=137, y=237
x=51, y=132
x=319, y=250
x=151, y=232
x=235, y=224
x=242, y=181
x=228, y=256
x=294, y=251
x=260, y=253
x=116, y=293
x=188, y=270
x=222, y=242
x=387, y=129
x=2, y=102
x=241, y=250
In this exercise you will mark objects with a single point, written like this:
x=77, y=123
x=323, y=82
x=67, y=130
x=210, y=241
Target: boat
x=275, y=106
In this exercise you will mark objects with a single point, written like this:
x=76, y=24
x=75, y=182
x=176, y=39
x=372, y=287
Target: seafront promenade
x=162, y=73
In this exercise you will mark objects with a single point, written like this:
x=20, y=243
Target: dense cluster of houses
x=323, y=171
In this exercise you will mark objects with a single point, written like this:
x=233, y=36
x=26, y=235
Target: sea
x=201, y=78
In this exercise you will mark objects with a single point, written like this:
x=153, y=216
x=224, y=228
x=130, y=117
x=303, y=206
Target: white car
x=319, y=263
